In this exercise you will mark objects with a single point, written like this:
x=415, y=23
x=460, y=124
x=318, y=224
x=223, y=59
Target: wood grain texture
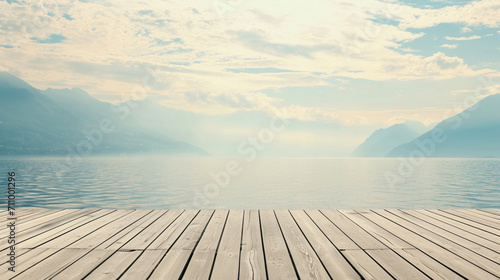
x=446, y=257
x=336, y=265
x=203, y=258
x=306, y=261
x=469, y=251
x=278, y=261
x=227, y=260
x=256, y=244
x=252, y=264
x=173, y=264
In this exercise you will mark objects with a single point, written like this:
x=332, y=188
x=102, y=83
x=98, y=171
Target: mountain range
x=473, y=133
x=68, y=121
x=384, y=140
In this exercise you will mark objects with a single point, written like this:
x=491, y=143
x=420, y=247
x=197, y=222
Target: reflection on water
x=287, y=183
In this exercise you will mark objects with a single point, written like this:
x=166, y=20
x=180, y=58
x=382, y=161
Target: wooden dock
x=255, y=244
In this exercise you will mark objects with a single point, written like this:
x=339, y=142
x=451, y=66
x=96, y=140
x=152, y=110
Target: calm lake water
x=265, y=183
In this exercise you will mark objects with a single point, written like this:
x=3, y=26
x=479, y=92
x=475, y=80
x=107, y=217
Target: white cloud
x=494, y=89
x=449, y=46
x=459, y=91
x=214, y=104
x=476, y=13
x=466, y=29
x=480, y=91
x=110, y=45
x=475, y=37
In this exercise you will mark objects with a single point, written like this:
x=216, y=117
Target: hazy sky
x=346, y=62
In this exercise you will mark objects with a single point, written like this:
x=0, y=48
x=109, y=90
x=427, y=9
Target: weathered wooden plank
x=25, y=262
x=21, y=212
x=172, y=233
x=75, y=235
x=52, y=219
x=65, y=240
x=144, y=265
x=38, y=236
x=384, y=236
x=176, y=259
x=451, y=239
x=306, y=261
x=395, y=265
x=485, y=213
x=202, y=260
x=358, y=258
x=467, y=222
x=26, y=215
x=149, y=234
x=445, y=257
x=191, y=236
x=478, y=217
x=362, y=238
x=31, y=215
x=427, y=265
x=171, y=266
x=227, y=260
x=453, y=230
x=438, y=244
x=424, y=263
x=456, y=224
x=114, y=266
x=54, y=263
x=26, y=223
x=334, y=234
x=117, y=241
x=83, y=266
x=43, y=214
x=336, y=265
x=491, y=210
x=252, y=264
x=95, y=238
x=35, y=230
x=461, y=247
x=365, y=265
x=278, y=261
x=493, y=225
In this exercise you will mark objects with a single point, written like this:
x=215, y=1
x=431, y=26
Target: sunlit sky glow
x=354, y=63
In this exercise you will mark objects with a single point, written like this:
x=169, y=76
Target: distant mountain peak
x=472, y=133
x=416, y=126
x=57, y=121
x=7, y=80
x=383, y=140
x=68, y=91
x=79, y=90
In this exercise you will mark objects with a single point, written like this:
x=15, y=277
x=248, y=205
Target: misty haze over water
x=265, y=183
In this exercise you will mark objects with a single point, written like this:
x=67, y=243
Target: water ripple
x=153, y=182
